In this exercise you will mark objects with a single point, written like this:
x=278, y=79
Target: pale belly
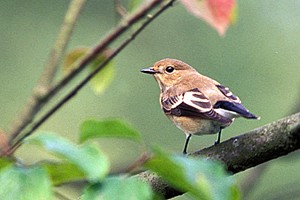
x=196, y=126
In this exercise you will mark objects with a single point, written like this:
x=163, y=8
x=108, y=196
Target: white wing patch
x=197, y=100
x=192, y=103
x=226, y=113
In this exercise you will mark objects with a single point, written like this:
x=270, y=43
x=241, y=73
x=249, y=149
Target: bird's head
x=168, y=71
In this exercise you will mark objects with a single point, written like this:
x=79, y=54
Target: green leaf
x=4, y=162
x=63, y=172
x=134, y=4
x=119, y=188
x=202, y=178
x=93, y=163
x=25, y=184
x=235, y=193
x=104, y=77
x=107, y=128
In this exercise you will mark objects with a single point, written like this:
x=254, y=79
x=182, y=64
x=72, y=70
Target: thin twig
x=120, y=9
x=64, y=35
x=80, y=65
x=89, y=77
x=37, y=99
x=61, y=195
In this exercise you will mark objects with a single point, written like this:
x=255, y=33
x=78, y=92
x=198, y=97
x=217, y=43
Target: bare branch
x=44, y=94
x=120, y=9
x=37, y=99
x=243, y=152
x=74, y=91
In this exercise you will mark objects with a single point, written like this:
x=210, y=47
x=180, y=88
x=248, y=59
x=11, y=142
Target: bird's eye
x=169, y=69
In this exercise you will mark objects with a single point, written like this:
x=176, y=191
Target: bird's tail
x=237, y=108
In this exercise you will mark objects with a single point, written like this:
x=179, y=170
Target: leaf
x=4, y=144
x=63, y=172
x=119, y=188
x=103, y=78
x=72, y=57
x=93, y=163
x=217, y=13
x=107, y=128
x=235, y=193
x=134, y=4
x=204, y=179
x=4, y=162
x=25, y=184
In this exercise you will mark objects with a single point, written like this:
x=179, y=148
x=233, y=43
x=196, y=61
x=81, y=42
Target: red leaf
x=217, y=13
x=4, y=145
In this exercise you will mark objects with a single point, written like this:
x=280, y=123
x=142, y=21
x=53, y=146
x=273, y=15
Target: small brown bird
x=196, y=104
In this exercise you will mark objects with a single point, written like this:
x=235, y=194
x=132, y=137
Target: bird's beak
x=149, y=70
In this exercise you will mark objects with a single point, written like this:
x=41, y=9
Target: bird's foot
x=217, y=142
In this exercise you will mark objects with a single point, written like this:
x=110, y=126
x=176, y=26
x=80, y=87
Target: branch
x=243, y=152
x=36, y=100
x=74, y=91
x=251, y=180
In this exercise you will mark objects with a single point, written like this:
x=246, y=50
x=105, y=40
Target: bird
x=195, y=103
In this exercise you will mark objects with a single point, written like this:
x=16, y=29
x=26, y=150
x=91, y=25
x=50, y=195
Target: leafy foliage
x=107, y=128
x=4, y=162
x=63, y=172
x=93, y=163
x=77, y=162
x=203, y=179
x=120, y=188
x=25, y=183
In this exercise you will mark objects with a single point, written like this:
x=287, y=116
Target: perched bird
x=195, y=103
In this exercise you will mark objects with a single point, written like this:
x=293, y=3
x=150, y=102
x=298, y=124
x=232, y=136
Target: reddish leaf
x=73, y=56
x=217, y=13
x=4, y=146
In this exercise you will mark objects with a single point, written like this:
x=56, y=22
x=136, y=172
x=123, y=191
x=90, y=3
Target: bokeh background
x=259, y=59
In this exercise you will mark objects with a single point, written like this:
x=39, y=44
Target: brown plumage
x=195, y=103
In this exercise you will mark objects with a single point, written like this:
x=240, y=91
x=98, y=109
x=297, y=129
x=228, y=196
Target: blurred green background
x=258, y=59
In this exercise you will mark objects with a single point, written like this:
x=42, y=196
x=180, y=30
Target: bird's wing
x=228, y=93
x=192, y=103
x=234, y=104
